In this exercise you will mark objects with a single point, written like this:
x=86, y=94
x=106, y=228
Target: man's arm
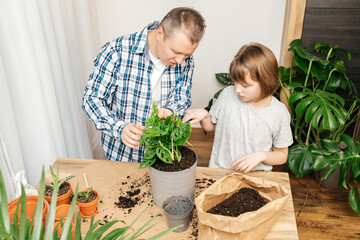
x=99, y=91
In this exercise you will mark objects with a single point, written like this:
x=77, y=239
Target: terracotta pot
x=63, y=199
x=168, y=184
x=59, y=229
x=61, y=212
x=31, y=202
x=90, y=208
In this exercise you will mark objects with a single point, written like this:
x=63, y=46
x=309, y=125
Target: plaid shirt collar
x=140, y=44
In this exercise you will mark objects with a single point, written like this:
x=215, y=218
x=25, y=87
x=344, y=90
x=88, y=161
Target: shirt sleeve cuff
x=118, y=128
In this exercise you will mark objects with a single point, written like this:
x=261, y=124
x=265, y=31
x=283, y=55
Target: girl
x=252, y=128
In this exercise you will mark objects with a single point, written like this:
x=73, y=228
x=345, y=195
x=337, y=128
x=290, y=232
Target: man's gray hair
x=186, y=19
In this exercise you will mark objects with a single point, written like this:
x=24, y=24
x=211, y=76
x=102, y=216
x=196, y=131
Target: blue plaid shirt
x=118, y=92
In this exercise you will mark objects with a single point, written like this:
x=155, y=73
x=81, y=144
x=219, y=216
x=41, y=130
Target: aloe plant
x=54, y=178
x=320, y=116
x=33, y=229
x=163, y=139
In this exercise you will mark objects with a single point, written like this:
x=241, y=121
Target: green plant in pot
x=172, y=166
x=320, y=116
x=64, y=189
x=23, y=227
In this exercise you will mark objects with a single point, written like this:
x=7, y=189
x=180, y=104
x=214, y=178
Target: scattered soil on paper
x=133, y=192
x=242, y=201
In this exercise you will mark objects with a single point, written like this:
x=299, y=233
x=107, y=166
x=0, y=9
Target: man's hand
x=247, y=162
x=131, y=135
x=164, y=113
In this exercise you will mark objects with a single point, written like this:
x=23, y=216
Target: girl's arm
x=200, y=115
x=247, y=162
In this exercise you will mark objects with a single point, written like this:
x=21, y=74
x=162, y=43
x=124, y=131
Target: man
x=154, y=65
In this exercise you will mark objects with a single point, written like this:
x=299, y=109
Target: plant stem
x=292, y=64
x=308, y=134
x=329, y=53
x=327, y=81
x=308, y=74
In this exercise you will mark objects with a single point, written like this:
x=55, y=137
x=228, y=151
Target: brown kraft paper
x=250, y=225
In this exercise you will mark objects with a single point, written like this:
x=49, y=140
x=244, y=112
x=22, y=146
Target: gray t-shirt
x=241, y=129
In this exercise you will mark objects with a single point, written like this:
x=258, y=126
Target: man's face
x=175, y=48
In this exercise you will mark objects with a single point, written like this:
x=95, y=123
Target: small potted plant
x=87, y=201
x=172, y=167
x=64, y=192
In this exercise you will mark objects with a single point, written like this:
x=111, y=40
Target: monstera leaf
x=300, y=160
x=320, y=107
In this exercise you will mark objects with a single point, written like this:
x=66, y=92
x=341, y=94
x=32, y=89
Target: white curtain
x=46, y=54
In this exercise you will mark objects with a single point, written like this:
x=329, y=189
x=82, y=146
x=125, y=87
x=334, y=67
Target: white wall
x=230, y=24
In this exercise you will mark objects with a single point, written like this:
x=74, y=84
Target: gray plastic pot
x=177, y=211
x=168, y=184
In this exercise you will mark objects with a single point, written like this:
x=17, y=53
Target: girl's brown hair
x=260, y=62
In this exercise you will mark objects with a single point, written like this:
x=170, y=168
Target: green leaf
x=340, y=67
x=329, y=145
x=295, y=96
x=163, y=154
x=303, y=105
x=333, y=166
x=317, y=71
x=36, y=232
x=4, y=211
x=295, y=43
x=224, y=79
x=300, y=160
x=303, y=64
x=350, y=143
x=355, y=169
x=322, y=47
x=147, y=162
x=354, y=200
x=339, y=49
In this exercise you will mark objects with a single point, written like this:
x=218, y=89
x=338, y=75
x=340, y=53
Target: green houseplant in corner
x=320, y=116
x=172, y=166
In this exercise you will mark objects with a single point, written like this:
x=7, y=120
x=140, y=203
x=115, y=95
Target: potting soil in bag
x=249, y=225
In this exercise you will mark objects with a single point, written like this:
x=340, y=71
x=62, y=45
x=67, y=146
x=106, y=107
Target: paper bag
x=250, y=225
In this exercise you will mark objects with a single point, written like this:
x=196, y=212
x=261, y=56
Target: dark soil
x=87, y=200
x=188, y=158
x=242, y=201
x=131, y=194
x=65, y=187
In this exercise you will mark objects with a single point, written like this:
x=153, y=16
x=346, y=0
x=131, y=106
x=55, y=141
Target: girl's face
x=248, y=91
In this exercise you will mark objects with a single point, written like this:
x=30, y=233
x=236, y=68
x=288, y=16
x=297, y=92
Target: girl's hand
x=247, y=162
x=195, y=115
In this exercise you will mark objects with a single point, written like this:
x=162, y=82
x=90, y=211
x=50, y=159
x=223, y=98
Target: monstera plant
x=320, y=115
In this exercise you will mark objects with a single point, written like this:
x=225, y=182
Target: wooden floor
x=325, y=214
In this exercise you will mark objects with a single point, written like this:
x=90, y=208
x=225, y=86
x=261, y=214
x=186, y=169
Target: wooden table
x=112, y=179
